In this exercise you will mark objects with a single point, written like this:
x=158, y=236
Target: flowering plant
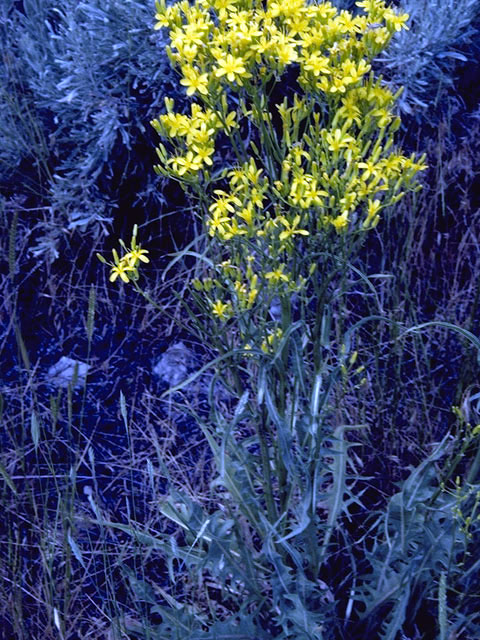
x=284, y=207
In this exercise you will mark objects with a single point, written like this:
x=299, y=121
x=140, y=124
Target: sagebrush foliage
x=78, y=82
x=424, y=60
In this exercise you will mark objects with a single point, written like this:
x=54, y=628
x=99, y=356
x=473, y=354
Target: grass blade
x=8, y=480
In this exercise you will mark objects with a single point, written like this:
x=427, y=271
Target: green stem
x=473, y=471
x=266, y=471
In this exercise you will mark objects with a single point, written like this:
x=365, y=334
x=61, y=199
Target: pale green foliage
x=78, y=82
x=416, y=539
x=423, y=60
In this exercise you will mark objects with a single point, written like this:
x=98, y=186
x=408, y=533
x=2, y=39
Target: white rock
x=175, y=364
x=61, y=374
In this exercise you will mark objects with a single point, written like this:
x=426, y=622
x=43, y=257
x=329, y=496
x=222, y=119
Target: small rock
x=175, y=364
x=61, y=374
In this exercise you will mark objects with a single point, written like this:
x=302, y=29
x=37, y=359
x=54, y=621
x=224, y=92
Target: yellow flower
x=221, y=309
x=376, y=39
x=271, y=341
x=291, y=228
x=202, y=154
x=333, y=85
x=188, y=35
x=233, y=68
x=285, y=53
x=199, y=132
x=232, y=229
x=348, y=201
x=194, y=81
x=184, y=164
x=223, y=204
x=262, y=46
x=229, y=122
x=396, y=22
x=277, y=275
x=217, y=224
x=338, y=140
x=286, y=8
x=298, y=25
x=373, y=217
x=165, y=15
x=120, y=269
x=350, y=112
x=222, y=5
x=217, y=44
x=297, y=153
x=252, y=296
x=371, y=169
x=348, y=24
x=354, y=72
x=175, y=124
x=371, y=6
x=135, y=255
x=248, y=348
x=247, y=214
x=341, y=222
x=257, y=197
x=317, y=64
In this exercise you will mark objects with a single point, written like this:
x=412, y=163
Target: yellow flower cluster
x=318, y=163
x=195, y=138
x=218, y=42
x=126, y=267
x=239, y=211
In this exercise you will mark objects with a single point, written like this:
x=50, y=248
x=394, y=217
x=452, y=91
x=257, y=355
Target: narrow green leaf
x=336, y=496
x=366, y=279
x=142, y=537
x=35, y=430
x=8, y=480
x=317, y=389
x=142, y=590
x=240, y=408
x=357, y=325
x=325, y=329
x=298, y=364
x=123, y=409
x=285, y=338
x=442, y=606
x=284, y=438
x=75, y=549
x=22, y=347
x=304, y=520
x=261, y=385
x=91, y=458
x=91, y=312
x=180, y=255
x=150, y=474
